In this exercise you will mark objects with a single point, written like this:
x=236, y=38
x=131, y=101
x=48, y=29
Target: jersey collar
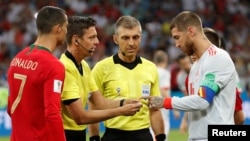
x=131, y=65
x=71, y=57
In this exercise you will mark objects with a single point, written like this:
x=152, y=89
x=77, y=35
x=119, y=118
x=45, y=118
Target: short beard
x=190, y=48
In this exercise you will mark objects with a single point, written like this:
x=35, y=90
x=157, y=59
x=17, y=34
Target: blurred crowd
x=231, y=18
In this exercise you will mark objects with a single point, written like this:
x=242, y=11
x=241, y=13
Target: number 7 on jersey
x=20, y=92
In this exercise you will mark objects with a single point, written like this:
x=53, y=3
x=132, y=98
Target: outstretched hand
x=129, y=109
x=154, y=102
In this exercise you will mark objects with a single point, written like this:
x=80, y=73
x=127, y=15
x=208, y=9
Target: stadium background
x=230, y=18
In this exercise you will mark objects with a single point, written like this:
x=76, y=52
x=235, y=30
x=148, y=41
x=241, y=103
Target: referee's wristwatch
x=95, y=138
x=160, y=137
x=122, y=102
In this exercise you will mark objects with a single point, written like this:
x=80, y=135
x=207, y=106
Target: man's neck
x=46, y=41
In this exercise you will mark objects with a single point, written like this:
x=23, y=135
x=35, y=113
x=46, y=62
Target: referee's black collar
x=71, y=57
x=131, y=65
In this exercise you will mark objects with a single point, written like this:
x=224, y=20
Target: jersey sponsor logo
x=57, y=86
x=25, y=64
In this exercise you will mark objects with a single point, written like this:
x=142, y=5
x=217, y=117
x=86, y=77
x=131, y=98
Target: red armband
x=168, y=103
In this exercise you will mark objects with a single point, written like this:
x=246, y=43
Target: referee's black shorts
x=111, y=134
x=72, y=135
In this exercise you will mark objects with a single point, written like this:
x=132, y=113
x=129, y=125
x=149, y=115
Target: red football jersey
x=35, y=80
x=238, y=103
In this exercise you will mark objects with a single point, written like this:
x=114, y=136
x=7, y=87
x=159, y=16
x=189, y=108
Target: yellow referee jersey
x=117, y=82
x=75, y=86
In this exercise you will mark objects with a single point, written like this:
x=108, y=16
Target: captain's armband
x=208, y=90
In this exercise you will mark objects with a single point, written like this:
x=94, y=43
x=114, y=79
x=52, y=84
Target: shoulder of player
x=58, y=64
x=54, y=68
x=218, y=55
x=50, y=60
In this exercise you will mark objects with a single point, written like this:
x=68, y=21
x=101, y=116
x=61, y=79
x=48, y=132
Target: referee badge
x=145, y=90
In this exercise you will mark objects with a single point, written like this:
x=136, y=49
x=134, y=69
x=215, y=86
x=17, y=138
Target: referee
x=127, y=75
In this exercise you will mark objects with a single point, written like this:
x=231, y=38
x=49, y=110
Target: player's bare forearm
x=94, y=131
x=93, y=128
x=157, y=123
x=101, y=102
x=154, y=102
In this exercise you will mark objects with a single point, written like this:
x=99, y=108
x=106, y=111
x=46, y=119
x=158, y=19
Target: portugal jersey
x=35, y=80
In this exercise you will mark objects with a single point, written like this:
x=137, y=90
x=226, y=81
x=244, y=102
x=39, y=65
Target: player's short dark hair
x=77, y=26
x=214, y=37
x=185, y=19
x=49, y=16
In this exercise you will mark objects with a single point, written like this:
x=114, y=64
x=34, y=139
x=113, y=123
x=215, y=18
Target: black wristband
x=121, y=102
x=95, y=138
x=160, y=137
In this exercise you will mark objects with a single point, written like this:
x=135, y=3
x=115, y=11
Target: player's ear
x=191, y=31
x=115, y=38
x=74, y=40
x=57, y=28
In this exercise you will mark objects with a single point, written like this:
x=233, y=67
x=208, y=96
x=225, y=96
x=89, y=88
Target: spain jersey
x=215, y=70
x=76, y=85
x=35, y=80
x=115, y=81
